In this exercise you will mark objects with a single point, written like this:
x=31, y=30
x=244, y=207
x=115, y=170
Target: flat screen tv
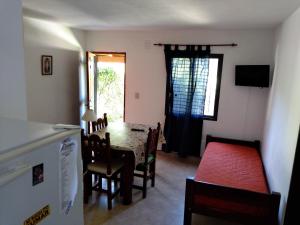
x=252, y=75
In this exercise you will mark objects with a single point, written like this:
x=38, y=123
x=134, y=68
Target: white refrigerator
x=40, y=174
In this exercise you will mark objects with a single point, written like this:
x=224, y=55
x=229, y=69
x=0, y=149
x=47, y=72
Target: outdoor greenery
x=110, y=93
x=106, y=79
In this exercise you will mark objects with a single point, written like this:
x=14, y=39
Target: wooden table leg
x=129, y=161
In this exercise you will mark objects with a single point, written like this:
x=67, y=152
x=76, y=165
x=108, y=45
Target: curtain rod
x=216, y=45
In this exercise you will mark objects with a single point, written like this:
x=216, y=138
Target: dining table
x=127, y=141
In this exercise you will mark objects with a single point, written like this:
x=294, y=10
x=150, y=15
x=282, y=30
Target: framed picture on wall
x=47, y=65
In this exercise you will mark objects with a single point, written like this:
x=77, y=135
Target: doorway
x=106, y=84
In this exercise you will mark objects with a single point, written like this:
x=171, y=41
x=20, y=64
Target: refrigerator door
x=31, y=186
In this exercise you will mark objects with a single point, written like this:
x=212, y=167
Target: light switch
x=136, y=95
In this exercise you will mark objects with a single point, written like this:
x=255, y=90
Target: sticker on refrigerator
x=37, y=174
x=68, y=174
x=38, y=216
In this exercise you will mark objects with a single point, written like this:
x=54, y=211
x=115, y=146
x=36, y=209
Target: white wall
x=12, y=76
x=241, y=109
x=56, y=98
x=283, y=115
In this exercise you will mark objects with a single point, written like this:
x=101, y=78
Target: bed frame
x=269, y=202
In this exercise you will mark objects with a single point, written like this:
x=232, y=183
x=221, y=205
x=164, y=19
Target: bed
x=230, y=183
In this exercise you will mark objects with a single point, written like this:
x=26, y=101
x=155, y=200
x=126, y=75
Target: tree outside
x=110, y=91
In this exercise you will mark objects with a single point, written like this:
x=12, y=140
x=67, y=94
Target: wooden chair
x=100, y=123
x=85, y=159
x=104, y=166
x=149, y=164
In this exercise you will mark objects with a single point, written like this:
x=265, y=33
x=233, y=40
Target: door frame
x=87, y=76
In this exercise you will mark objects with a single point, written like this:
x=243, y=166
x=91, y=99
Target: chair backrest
x=105, y=119
x=152, y=142
x=156, y=133
x=100, y=123
x=100, y=150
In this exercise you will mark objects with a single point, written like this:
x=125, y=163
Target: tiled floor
x=164, y=203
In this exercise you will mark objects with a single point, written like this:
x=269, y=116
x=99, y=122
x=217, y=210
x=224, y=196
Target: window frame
x=220, y=57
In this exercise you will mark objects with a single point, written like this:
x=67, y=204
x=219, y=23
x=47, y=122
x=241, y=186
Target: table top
x=123, y=138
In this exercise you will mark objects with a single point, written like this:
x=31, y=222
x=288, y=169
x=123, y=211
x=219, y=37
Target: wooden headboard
x=254, y=144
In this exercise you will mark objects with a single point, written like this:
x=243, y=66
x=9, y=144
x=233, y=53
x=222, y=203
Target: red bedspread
x=232, y=166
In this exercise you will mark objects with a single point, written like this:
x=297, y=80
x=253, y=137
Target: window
x=201, y=86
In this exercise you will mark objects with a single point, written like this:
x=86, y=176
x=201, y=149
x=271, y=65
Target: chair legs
x=122, y=184
x=145, y=178
x=88, y=187
x=115, y=183
x=109, y=194
x=152, y=174
x=100, y=183
x=147, y=175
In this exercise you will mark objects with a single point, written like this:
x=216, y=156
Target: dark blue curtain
x=187, y=76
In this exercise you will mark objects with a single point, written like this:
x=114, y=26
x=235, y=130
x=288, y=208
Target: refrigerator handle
x=12, y=174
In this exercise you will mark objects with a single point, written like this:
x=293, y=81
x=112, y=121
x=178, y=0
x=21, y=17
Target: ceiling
x=163, y=14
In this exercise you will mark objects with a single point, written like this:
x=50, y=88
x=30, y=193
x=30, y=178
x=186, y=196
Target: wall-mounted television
x=252, y=75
